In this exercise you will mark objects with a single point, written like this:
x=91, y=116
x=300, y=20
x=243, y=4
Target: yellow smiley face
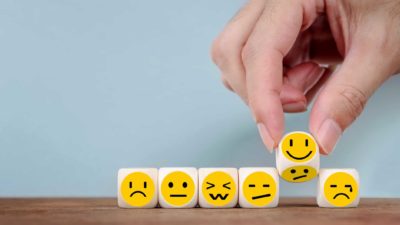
x=137, y=189
x=218, y=188
x=298, y=147
x=178, y=188
x=340, y=189
x=299, y=174
x=259, y=188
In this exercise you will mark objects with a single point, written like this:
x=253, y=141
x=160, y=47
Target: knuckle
x=354, y=100
x=222, y=51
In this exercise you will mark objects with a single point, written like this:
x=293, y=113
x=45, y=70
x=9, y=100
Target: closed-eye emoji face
x=340, y=189
x=218, y=188
x=259, y=188
x=299, y=174
x=178, y=188
x=137, y=189
x=298, y=146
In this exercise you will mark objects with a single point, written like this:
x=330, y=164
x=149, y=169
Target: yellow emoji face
x=218, y=188
x=259, y=188
x=137, y=189
x=299, y=174
x=178, y=188
x=340, y=189
x=298, y=146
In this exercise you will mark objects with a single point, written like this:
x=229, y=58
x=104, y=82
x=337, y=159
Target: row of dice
x=256, y=187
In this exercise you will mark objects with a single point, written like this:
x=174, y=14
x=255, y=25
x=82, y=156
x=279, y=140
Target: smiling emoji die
x=297, y=157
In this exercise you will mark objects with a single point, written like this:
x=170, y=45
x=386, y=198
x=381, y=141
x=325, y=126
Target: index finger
x=273, y=36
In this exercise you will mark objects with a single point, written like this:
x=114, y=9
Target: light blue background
x=87, y=87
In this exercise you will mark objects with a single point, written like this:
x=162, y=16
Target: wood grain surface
x=297, y=211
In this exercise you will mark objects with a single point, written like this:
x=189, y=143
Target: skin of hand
x=271, y=55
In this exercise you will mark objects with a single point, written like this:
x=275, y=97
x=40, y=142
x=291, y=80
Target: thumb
x=345, y=94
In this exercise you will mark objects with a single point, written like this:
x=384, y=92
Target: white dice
x=218, y=187
x=297, y=157
x=177, y=187
x=338, y=188
x=137, y=188
x=259, y=187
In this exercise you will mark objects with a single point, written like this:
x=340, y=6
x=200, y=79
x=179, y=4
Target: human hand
x=268, y=55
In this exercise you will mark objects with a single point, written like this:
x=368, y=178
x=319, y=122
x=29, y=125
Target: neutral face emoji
x=137, y=189
x=259, y=188
x=298, y=147
x=218, y=188
x=299, y=174
x=340, y=189
x=178, y=188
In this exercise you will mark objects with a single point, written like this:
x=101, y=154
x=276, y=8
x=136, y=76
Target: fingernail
x=328, y=135
x=295, y=107
x=266, y=137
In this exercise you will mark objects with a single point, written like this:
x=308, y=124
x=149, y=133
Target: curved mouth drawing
x=260, y=196
x=215, y=197
x=341, y=194
x=177, y=195
x=299, y=158
x=302, y=176
x=138, y=192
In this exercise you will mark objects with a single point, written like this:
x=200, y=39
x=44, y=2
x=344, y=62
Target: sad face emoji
x=340, y=189
x=137, y=189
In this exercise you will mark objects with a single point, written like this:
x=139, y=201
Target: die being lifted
x=297, y=157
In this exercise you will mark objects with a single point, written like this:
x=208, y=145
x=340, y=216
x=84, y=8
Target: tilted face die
x=137, y=188
x=258, y=187
x=297, y=157
x=338, y=188
x=218, y=187
x=177, y=187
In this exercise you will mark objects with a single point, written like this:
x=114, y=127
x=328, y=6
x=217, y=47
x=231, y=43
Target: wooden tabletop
x=297, y=211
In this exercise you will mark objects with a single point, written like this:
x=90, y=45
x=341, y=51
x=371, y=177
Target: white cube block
x=258, y=187
x=297, y=157
x=338, y=188
x=137, y=188
x=178, y=187
x=218, y=187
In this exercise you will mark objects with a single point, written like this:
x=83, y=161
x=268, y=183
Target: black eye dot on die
x=184, y=185
x=293, y=171
x=170, y=184
x=291, y=142
x=306, y=142
x=305, y=170
x=145, y=184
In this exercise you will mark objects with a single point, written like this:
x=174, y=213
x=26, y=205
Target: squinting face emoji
x=218, y=188
x=298, y=147
x=178, y=188
x=299, y=174
x=340, y=189
x=137, y=189
x=259, y=188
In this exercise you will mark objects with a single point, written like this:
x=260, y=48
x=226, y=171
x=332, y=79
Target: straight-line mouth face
x=299, y=158
x=341, y=194
x=261, y=196
x=299, y=177
x=177, y=195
